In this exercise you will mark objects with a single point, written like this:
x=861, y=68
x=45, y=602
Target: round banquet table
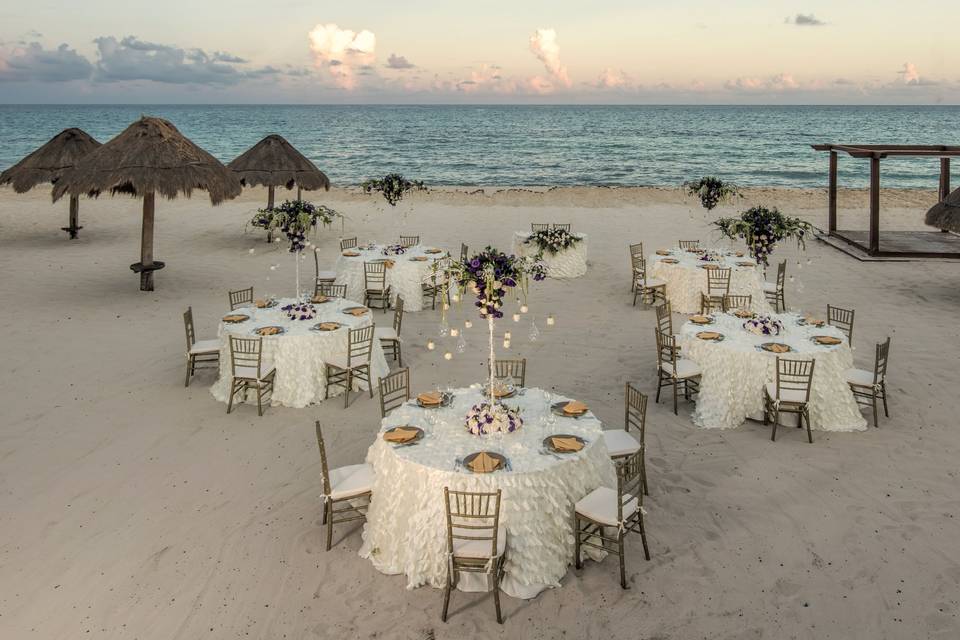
x=406, y=529
x=568, y=263
x=735, y=371
x=299, y=354
x=409, y=272
x=687, y=279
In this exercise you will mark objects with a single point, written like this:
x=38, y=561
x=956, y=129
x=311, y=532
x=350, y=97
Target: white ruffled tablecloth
x=687, y=279
x=735, y=371
x=569, y=263
x=299, y=354
x=406, y=523
x=405, y=277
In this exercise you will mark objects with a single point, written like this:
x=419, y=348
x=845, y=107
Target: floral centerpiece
x=762, y=229
x=709, y=256
x=300, y=311
x=392, y=186
x=294, y=218
x=486, y=418
x=711, y=191
x=552, y=240
x=763, y=326
x=394, y=250
x=491, y=272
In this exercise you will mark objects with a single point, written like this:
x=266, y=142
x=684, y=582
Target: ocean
x=535, y=145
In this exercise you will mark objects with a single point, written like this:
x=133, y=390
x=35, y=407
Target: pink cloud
x=341, y=51
x=543, y=44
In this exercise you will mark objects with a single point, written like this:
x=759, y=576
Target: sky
x=495, y=51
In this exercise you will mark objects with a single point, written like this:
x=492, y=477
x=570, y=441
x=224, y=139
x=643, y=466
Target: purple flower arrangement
x=763, y=326
x=491, y=272
x=300, y=311
x=552, y=240
x=484, y=418
x=762, y=229
x=394, y=250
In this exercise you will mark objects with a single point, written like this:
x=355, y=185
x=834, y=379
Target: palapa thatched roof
x=149, y=156
x=48, y=163
x=274, y=162
x=946, y=213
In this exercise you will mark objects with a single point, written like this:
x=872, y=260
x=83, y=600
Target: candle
x=506, y=335
x=516, y=317
x=550, y=320
x=430, y=345
x=506, y=344
x=454, y=332
x=448, y=356
x=455, y=298
x=467, y=324
x=524, y=308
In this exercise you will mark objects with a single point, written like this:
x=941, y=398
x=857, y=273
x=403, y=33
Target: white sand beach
x=132, y=507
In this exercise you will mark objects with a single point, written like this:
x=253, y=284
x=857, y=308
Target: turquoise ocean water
x=534, y=145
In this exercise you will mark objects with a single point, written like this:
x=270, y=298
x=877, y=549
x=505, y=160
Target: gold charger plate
x=550, y=446
x=279, y=331
x=772, y=347
x=235, y=318
x=415, y=438
x=500, y=459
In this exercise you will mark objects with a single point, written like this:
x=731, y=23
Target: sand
x=131, y=507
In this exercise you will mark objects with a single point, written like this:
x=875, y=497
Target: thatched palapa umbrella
x=150, y=157
x=273, y=162
x=48, y=163
x=945, y=214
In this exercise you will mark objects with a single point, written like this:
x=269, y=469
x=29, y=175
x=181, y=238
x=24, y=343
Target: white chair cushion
x=251, y=373
x=685, y=368
x=786, y=395
x=205, y=346
x=770, y=287
x=351, y=481
x=600, y=505
x=326, y=275
x=385, y=333
x=340, y=361
x=652, y=283
x=620, y=443
x=477, y=548
x=859, y=377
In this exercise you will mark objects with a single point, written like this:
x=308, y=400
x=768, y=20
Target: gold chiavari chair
x=394, y=390
x=562, y=227
x=248, y=370
x=718, y=286
x=241, y=298
x=330, y=290
x=789, y=393
x=774, y=291
x=515, y=369
x=435, y=285
x=687, y=245
x=475, y=543
x=201, y=354
x=535, y=227
x=348, y=243
x=636, y=266
x=409, y=241
x=621, y=511
x=390, y=336
x=343, y=369
x=870, y=386
x=322, y=277
x=376, y=289
x=672, y=370
x=620, y=442
x=648, y=289
x=350, y=486
x=735, y=302
x=464, y=253
x=841, y=319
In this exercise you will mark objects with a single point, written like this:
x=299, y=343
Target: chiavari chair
x=736, y=302
x=870, y=386
x=201, y=354
x=322, y=277
x=718, y=286
x=248, y=370
x=394, y=390
x=621, y=442
x=330, y=290
x=674, y=371
x=561, y=227
x=648, y=289
x=464, y=253
x=774, y=291
x=535, y=227
x=475, y=543
x=688, y=245
x=841, y=319
x=636, y=258
x=789, y=393
x=409, y=241
x=348, y=243
x=348, y=487
x=376, y=289
x=241, y=298
x=619, y=511
x=511, y=369
x=343, y=369
x=435, y=285
x=389, y=337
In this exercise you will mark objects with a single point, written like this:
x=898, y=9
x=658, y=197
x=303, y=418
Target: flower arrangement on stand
x=393, y=186
x=486, y=418
x=711, y=191
x=552, y=241
x=762, y=229
x=763, y=326
x=294, y=218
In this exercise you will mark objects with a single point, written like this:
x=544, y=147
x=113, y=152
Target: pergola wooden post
x=897, y=243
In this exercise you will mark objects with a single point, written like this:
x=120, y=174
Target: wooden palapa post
x=832, y=197
x=270, y=197
x=74, y=224
x=944, y=181
x=874, y=238
x=146, y=244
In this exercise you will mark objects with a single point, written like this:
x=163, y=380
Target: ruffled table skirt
x=686, y=281
x=406, y=277
x=569, y=263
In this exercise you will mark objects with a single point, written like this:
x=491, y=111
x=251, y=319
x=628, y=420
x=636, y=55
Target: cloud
x=398, y=62
x=805, y=20
x=340, y=51
x=543, y=44
x=33, y=63
x=613, y=79
x=774, y=84
x=910, y=76
x=131, y=59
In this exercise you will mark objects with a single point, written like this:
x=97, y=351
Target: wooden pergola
x=926, y=244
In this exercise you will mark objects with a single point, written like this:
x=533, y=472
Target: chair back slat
x=348, y=243
x=244, y=353
x=781, y=275
x=472, y=516
x=324, y=469
x=841, y=319
x=667, y=349
x=464, y=252
x=629, y=481
x=737, y=302
x=394, y=390
x=562, y=227
x=718, y=281
x=330, y=290
x=794, y=375
x=360, y=345
x=188, y=326
x=409, y=241
x=635, y=411
x=880, y=363
x=516, y=369
x=375, y=276
x=241, y=297
x=535, y=227
x=689, y=244
x=665, y=318
x=398, y=315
